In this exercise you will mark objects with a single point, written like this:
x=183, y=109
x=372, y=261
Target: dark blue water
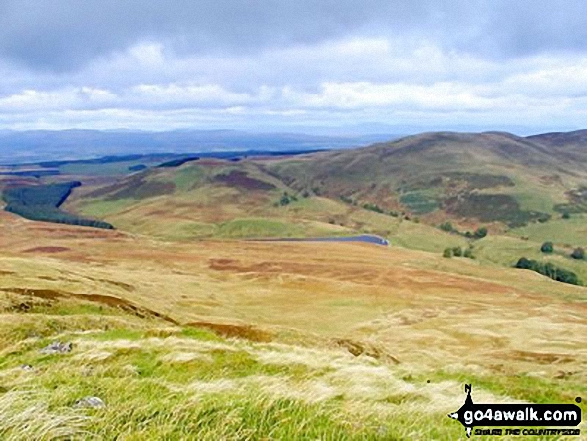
x=364, y=238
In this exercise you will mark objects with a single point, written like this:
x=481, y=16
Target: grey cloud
x=65, y=34
x=520, y=28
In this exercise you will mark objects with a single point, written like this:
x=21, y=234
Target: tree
x=480, y=233
x=457, y=251
x=542, y=218
x=578, y=253
x=447, y=253
x=547, y=247
x=566, y=215
x=286, y=199
x=446, y=226
x=524, y=263
x=468, y=253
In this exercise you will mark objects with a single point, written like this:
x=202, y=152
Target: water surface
x=364, y=238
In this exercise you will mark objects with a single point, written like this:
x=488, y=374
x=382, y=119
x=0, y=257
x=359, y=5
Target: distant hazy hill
x=42, y=145
x=418, y=157
x=572, y=145
x=491, y=178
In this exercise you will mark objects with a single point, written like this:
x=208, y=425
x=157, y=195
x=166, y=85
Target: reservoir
x=364, y=238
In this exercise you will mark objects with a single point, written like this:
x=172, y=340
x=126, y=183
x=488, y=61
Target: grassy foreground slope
x=160, y=381
x=249, y=340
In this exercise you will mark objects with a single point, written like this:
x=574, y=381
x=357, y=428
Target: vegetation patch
x=39, y=173
x=569, y=232
x=240, y=179
x=476, y=181
x=137, y=168
x=458, y=252
x=577, y=202
x=42, y=202
x=419, y=202
x=136, y=187
x=256, y=228
x=549, y=270
x=492, y=207
x=373, y=207
x=460, y=181
x=286, y=199
x=246, y=332
x=178, y=162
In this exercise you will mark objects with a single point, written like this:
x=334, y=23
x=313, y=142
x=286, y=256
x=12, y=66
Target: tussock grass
x=26, y=415
x=196, y=387
x=178, y=384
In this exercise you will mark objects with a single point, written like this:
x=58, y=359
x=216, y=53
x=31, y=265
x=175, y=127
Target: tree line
x=549, y=270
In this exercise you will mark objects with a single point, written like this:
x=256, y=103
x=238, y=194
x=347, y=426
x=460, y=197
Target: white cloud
x=186, y=95
x=30, y=101
x=346, y=81
x=147, y=54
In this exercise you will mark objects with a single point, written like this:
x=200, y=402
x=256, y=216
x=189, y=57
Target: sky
x=300, y=65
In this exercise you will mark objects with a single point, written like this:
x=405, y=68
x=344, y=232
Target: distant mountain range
x=43, y=145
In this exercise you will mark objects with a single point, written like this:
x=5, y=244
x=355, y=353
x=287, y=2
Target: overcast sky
x=294, y=64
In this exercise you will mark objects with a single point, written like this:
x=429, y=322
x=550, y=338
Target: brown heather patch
x=247, y=332
x=539, y=357
x=48, y=250
x=110, y=301
x=240, y=179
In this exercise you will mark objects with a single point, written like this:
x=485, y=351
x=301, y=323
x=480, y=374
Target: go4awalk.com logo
x=472, y=415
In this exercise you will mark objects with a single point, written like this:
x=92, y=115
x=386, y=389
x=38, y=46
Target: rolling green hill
x=489, y=178
x=524, y=192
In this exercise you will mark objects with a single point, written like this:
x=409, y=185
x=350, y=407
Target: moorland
x=188, y=326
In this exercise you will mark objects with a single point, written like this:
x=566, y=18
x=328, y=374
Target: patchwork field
x=253, y=340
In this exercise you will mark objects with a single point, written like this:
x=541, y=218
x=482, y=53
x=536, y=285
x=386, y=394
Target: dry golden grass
x=514, y=334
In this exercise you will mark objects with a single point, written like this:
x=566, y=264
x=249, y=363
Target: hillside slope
x=250, y=340
x=570, y=145
x=492, y=178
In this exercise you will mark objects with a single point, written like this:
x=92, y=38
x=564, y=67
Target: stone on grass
x=57, y=348
x=90, y=403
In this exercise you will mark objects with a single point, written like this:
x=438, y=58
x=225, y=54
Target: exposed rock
x=57, y=348
x=359, y=348
x=90, y=403
x=27, y=367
